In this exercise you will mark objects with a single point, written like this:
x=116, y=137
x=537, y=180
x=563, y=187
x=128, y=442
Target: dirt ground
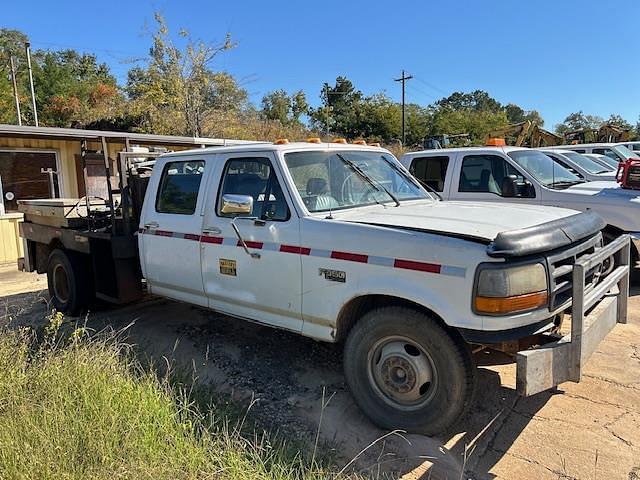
x=589, y=430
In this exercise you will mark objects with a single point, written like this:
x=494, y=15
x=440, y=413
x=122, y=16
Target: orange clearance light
x=281, y=141
x=518, y=303
x=496, y=142
x=339, y=140
x=374, y=144
x=314, y=140
x=359, y=142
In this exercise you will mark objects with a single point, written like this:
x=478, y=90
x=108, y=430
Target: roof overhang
x=70, y=134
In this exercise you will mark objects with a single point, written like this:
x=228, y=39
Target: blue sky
x=553, y=56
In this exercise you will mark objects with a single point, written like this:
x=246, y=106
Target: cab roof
x=271, y=147
x=444, y=151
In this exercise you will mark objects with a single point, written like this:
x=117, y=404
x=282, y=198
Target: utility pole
x=328, y=110
x=15, y=89
x=27, y=47
x=403, y=79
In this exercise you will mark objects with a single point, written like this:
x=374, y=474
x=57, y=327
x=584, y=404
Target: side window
x=254, y=177
x=179, y=186
x=486, y=173
x=565, y=165
x=431, y=170
x=606, y=151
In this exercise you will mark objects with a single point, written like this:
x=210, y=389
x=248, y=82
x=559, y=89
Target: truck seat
x=317, y=188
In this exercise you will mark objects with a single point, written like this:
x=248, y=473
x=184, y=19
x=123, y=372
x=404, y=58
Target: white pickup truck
x=340, y=243
x=524, y=176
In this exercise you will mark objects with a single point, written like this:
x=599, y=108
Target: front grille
x=561, y=272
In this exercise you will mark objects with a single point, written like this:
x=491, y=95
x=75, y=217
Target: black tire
x=68, y=281
x=390, y=350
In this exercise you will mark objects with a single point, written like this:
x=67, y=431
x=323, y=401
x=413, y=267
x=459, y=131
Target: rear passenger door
x=432, y=172
x=263, y=284
x=170, y=229
x=483, y=177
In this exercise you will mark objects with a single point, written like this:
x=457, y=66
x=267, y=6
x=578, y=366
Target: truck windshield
x=589, y=165
x=544, y=169
x=624, y=153
x=346, y=179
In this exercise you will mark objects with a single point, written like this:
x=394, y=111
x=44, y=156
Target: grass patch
x=84, y=408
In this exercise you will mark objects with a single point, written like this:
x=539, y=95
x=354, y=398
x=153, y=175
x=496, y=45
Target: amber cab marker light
x=517, y=303
x=496, y=142
x=374, y=144
x=339, y=140
x=281, y=141
x=359, y=142
x=314, y=140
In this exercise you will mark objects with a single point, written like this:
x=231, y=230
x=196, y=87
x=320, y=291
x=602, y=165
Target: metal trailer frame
x=595, y=310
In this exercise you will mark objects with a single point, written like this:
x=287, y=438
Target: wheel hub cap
x=402, y=372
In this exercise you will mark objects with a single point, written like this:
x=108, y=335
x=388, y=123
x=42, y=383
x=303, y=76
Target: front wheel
x=407, y=372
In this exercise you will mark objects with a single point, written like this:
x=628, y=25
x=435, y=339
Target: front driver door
x=483, y=177
x=264, y=284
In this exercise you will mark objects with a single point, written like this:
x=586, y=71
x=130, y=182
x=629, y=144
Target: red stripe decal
x=257, y=245
x=192, y=236
x=295, y=249
x=419, y=266
x=163, y=233
x=207, y=239
x=352, y=257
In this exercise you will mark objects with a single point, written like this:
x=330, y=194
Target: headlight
x=502, y=290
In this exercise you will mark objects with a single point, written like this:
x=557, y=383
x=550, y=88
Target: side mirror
x=529, y=191
x=236, y=204
x=510, y=186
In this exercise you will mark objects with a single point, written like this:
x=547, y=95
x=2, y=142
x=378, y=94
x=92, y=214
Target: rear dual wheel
x=69, y=281
x=407, y=372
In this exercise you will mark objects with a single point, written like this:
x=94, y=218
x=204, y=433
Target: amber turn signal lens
x=281, y=141
x=314, y=140
x=518, y=303
x=340, y=140
x=359, y=142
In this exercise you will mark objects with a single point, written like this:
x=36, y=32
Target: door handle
x=212, y=230
x=151, y=225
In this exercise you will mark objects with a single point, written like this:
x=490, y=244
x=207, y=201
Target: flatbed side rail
x=595, y=311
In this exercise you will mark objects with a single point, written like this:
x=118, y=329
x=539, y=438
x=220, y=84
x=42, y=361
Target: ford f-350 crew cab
x=340, y=243
x=525, y=176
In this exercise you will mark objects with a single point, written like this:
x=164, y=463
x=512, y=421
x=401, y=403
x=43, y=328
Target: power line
x=433, y=87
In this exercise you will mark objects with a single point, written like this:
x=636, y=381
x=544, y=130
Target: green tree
x=340, y=105
x=578, y=121
x=516, y=114
x=478, y=100
x=177, y=91
x=285, y=108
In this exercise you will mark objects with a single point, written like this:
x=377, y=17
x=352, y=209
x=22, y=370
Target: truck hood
x=604, y=191
x=474, y=220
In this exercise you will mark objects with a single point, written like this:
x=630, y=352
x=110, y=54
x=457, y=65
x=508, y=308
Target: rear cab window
x=432, y=171
x=179, y=187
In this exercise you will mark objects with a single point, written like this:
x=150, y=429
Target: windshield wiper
x=375, y=184
x=564, y=183
x=410, y=178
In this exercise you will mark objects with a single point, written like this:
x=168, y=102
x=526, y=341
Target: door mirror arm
x=240, y=239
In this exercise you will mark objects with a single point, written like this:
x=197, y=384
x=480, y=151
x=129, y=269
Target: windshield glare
x=625, y=152
x=543, y=168
x=328, y=180
x=588, y=164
